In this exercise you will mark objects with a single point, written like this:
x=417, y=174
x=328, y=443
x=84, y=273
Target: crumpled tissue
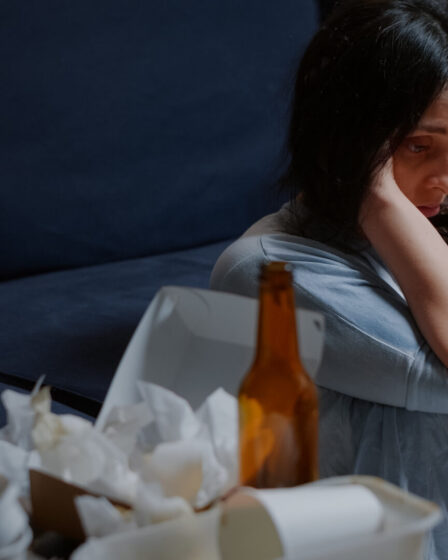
x=159, y=456
x=188, y=460
x=167, y=462
x=14, y=531
x=210, y=433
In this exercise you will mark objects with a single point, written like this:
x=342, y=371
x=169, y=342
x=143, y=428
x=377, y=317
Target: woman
x=368, y=169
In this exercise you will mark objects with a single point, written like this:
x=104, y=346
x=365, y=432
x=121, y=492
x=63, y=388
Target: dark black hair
x=362, y=85
x=325, y=8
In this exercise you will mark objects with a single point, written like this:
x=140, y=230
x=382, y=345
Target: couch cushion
x=132, y=128
x=74, y=325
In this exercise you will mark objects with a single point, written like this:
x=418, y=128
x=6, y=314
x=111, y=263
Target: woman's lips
x=429, y=211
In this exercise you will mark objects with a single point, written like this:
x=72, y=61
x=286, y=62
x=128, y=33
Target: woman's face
x=421, y=162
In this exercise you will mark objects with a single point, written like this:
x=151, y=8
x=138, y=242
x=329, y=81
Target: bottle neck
x=277, y=335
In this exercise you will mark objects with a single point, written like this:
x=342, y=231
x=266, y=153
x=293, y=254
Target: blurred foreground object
x=277, y=400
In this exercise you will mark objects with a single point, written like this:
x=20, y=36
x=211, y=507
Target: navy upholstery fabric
x=74, y=325
x=136, y=136
x=132, y=128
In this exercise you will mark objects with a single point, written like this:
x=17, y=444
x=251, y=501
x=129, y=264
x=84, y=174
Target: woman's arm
x=414, y=252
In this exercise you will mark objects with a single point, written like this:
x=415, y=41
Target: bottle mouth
x=277, y=271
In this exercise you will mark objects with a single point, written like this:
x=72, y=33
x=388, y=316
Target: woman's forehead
x=435, y=118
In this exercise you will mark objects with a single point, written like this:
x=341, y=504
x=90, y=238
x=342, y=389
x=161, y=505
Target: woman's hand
x=383, y=190
x=413, y=251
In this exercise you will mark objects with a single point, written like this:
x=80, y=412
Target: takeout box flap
x=193, y=341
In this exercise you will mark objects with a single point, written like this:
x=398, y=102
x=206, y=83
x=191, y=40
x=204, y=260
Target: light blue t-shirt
x=373, y=347
x=383, y=392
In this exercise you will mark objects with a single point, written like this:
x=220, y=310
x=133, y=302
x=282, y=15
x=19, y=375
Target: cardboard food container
x=193, y=341
x=53, y=505
x=190, y=341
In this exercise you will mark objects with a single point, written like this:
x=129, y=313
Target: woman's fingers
x=383, y=189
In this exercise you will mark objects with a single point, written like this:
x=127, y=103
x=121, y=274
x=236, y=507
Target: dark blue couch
x=138, y=138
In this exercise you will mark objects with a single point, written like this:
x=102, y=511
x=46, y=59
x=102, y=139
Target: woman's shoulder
x=270, y=239
x=269, y=225
x=238, y=267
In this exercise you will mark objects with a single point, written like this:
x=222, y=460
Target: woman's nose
x=441, y=177
x=440, y=181
x=441, y=184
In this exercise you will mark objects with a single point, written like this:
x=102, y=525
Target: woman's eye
x=416, y=148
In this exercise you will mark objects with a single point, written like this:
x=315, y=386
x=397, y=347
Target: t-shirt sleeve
x=238, y=268
x=373, y=348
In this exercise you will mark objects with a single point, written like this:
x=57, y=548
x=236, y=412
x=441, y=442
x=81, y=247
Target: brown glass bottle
x=278, y=407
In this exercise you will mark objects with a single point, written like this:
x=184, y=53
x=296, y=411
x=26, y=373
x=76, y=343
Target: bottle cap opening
x=279, y=269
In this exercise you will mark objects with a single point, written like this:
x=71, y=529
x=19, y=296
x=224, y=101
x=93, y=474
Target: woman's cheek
x=406, y=175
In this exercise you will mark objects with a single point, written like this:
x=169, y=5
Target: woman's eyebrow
x=428, y=127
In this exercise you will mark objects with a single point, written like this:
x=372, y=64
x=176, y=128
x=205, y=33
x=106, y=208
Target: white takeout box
x=190, y=341
x=193, y=341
